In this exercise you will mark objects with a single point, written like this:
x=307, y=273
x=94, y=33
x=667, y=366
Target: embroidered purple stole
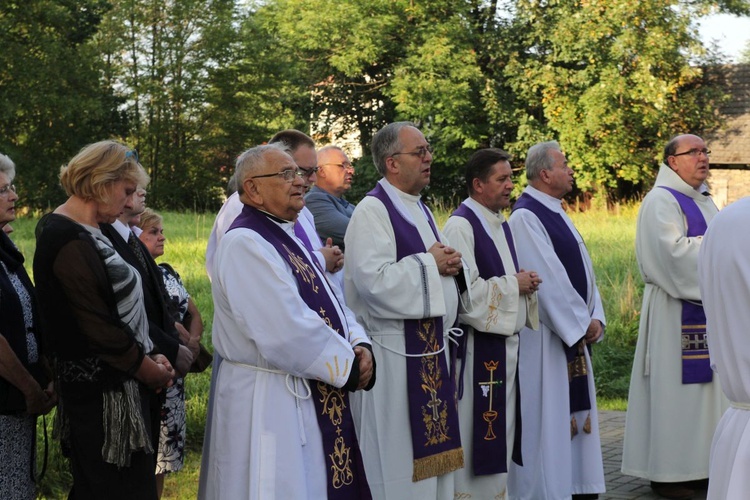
x=490, y=365
x=433, y=410
x=696, y=366
x=345, y=469
x=567, y=250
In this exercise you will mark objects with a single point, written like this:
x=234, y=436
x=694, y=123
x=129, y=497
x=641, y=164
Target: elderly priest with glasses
x=292, y=352
x=675, y=402
x=401, y=280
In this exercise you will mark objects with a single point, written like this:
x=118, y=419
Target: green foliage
x=51, y=99
x=612, y=81
x=745, y=56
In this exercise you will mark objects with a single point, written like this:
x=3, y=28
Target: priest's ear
x=391, y=165
x=250, y=193
x=477, y=185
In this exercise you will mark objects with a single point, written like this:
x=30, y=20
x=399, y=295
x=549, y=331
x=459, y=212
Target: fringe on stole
x=124, y=428
x=438, y=464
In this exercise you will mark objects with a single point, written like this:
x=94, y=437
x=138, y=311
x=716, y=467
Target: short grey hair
x=252, y=160
x=385, y=143
x=538, y=158
x=7, y=167
x=329, y=148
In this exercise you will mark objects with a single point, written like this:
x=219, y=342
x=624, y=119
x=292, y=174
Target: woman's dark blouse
x=76, y=298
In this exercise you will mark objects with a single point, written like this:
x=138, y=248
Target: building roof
x=730, y=145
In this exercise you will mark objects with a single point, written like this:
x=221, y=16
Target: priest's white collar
x=276, y=219
x=546, y=199
x=400, y=199
x=486, y=216
x=670, y=178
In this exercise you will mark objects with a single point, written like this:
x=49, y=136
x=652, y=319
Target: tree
x=51, y=101
x=745, y=55
x=612, y=81
x=370, y=62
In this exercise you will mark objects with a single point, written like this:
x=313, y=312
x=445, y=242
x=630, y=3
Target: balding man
x=675, y=402
x=560, y=444
x=326, y=198
x=281, y=425
x=400, y=279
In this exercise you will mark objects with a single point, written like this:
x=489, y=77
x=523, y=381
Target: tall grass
x=609, y=236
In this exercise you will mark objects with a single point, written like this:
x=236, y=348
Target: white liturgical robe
x=554, y=466
x=669, y=425
x=384, y=292
x=724, y=273
x=497, y=307
x=263, y=440
x=231, y=209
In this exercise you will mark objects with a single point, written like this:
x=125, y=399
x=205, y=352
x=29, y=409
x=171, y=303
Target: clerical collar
x=276, y=219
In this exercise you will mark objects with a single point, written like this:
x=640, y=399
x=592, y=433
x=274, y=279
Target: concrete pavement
x=619, y=486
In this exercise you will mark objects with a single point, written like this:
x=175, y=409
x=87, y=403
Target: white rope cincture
x=449, y=334
x=739, y=406
x=289, y=376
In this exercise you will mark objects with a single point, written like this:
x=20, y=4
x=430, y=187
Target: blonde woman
x=97, y=330
x=171, y=453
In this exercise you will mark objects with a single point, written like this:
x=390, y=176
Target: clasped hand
x=448, y=259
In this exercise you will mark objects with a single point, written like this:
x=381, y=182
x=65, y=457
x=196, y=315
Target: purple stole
x=696, y=367
x=489, y=365
x=300, y=233
x=433, y=408
x=345, y=471
x=567, y=250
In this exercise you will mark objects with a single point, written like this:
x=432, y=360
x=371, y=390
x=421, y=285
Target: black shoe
x=586, y=496
x=674, y=491
x=698, y=484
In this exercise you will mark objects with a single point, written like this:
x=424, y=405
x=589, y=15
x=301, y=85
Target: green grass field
x=609, y=235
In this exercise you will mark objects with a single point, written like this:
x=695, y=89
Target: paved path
x=619, y=486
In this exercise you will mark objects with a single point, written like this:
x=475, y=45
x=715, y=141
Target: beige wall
x=729, y=185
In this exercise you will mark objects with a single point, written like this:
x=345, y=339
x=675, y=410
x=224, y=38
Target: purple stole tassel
x=567, y=250
x=696, y=366
x=345, y=469
x=433, y=409
x=489, y=416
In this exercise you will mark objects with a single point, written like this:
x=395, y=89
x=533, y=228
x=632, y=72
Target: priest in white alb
x=400, y=280
x=675, y=402
x=724, y=275
x=561, y=449
x=291, y=352
x=503, y=302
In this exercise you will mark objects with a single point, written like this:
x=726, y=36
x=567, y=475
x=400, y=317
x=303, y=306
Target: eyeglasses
x=346, y=165
x=132, y=154
x=421, y=152
x=289, y=174
x=5, y=190
x=695, y=152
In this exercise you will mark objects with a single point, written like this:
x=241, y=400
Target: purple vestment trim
x=567, y=250
x=489, y=415
x=299, y=231
x=345, y=469
x=696, y=365
x=433, y=411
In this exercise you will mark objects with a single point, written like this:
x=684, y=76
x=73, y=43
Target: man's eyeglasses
x=289, y=174
x=346, y=165
x=695, y=152
x=5, y=190
x=421, y=152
